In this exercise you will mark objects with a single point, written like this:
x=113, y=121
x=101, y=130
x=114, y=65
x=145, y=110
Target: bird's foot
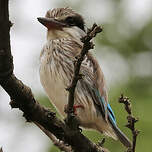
x=75, y=107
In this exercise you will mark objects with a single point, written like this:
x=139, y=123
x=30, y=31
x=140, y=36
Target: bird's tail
x=110, y=129
x=121, y=136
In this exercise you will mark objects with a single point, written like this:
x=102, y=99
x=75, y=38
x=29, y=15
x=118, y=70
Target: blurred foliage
x=138, y=41
x=139, y=90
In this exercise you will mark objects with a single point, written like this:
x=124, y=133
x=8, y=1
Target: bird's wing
x=95, y=84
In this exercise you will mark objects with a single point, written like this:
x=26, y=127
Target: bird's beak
x=51, y=23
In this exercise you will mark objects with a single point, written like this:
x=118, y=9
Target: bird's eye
x=70, y=20
x=75, y=21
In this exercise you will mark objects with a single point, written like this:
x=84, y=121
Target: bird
x=65, y=29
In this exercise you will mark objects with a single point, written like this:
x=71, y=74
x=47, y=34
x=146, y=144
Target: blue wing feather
x=103, y=106
x=111, y=114
x=100, y=101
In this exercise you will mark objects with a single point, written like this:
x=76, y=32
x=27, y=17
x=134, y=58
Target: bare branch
x=101, y=143
x=131, y=121
x=1, y=150
x=56, y=142
x=86, y=47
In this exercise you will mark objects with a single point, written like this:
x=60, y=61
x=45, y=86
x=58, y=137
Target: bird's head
x=63, y=23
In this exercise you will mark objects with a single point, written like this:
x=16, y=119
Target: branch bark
x=56, y=142
x=86, y=47
x=1, y=150
x=131, y=121
x=22, y=97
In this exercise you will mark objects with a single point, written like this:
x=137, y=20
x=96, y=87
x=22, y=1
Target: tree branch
x=131, y=121
x=86, y=47
x=77, y=76
x=22, y=97
x=1, y=150
x=56, y=142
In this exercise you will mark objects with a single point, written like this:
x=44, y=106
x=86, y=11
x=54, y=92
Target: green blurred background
x=124, y=50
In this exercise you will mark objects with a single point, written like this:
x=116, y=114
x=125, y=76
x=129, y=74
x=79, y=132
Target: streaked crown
x=67, y=16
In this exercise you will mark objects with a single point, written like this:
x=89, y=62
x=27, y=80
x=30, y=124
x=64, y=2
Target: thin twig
x=131, y=121
x=76, y=76
x=101, y=143
x=60, y=144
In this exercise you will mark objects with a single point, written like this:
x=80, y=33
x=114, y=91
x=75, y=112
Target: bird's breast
x=55, y=77
x=56, y=72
